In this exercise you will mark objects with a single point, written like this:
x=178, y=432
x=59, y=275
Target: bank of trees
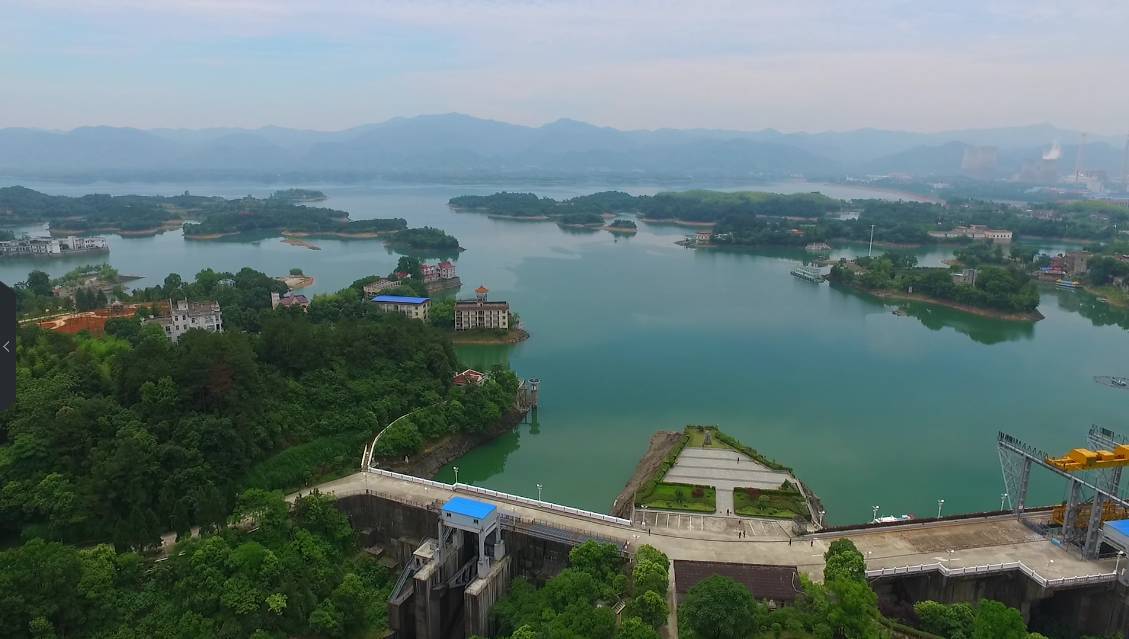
x=273, y=573
x=1008, y=289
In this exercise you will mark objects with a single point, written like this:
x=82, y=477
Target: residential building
x=703, y=237
x=289, y=300
x=481, y=313
x=966, y=276
x=413, y=307
x=1076, y=262
x=974, y=232
x=444, y=270
x=184, y=316
x=380, y=285
x=49, y=246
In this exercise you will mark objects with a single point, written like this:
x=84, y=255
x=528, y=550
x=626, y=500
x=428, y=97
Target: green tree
x=39, y=283
x=843, y=561
x=719, y=608
x=997, y=621
x=650, y=607
x=953, y=621
x=635, y=628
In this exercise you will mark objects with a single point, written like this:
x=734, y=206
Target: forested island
x=760, y=219
x=206, y=218
x=1004, y=292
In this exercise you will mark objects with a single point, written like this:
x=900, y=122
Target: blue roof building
x=469, y=508
x=414, y=307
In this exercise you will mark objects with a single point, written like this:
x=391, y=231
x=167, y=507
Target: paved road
x=971, y=542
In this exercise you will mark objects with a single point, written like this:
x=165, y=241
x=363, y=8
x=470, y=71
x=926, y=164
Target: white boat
x=890, y=519
x=808, y=272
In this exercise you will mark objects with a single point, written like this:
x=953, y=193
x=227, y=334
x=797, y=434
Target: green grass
x=697, y=439
x=781, y=504
x=681, y=497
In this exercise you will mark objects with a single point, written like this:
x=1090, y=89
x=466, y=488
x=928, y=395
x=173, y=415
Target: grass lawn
x=698, y=440
x=782, y=504
x=685, y=497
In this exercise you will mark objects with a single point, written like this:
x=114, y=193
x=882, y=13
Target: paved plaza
x=724, y=469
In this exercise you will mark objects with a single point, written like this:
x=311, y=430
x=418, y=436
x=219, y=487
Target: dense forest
x=425, y=239
x=1008, y=289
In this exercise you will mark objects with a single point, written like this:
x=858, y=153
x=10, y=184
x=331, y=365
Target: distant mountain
x=438, y=146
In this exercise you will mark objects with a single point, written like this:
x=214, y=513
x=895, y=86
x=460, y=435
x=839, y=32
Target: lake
x=634, y=334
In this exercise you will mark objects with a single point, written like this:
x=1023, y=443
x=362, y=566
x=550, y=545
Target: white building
x=184, y=316
x=974, y=232
x=480, y=313
x=378, y=286
x=413, y=307
x=48, y=246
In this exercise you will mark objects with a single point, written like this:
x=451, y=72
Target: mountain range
x=457, y=145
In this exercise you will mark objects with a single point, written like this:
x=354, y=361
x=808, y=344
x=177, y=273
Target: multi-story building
x=184, y=316
x=973, y=232
x=49, y=246
x=444, y=270
x=1077, y=262
x=290, y=300
x=414, y=307
x=481, y=313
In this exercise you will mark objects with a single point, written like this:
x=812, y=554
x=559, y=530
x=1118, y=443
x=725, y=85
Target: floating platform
x=1113, y=382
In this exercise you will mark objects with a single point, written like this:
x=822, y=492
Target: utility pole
x=870, y=251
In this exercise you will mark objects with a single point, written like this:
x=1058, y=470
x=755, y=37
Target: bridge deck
x=992, y=540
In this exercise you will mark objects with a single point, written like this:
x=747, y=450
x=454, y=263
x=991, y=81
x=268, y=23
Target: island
x=298, y=196
x=752, y=218
x=210, y=218
x=1001, y=292
x=622, y=225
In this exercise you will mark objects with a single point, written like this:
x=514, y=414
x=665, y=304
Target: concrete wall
x=1098, y=609
x=480, y=597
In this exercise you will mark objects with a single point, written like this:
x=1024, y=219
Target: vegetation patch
x=687, y=497
x=735, y=444
x=785, y=503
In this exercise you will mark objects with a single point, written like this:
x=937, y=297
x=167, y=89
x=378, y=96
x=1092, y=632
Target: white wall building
x=184, y=316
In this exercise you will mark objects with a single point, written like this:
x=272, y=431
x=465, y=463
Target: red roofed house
x=469, y=376
x=289, y=301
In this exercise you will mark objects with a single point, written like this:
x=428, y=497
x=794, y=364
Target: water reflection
x=1087, y=305
x=979, y=329
x=484, y=462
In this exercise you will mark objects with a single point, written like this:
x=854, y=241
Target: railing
x=545, y=505
x=1060, y=582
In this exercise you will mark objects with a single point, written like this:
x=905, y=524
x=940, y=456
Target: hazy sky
x=788, y=64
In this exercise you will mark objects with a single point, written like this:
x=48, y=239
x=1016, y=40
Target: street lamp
x=940, y=505
x=1003, y=498
x=821, y=514
x=1116, y=566
x=539, y=487
x=874, y=515
x=456, y=469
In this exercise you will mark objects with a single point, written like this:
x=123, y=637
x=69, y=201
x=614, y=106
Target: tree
x=719, y=608
x=854, y=610
x=953, y=621
x=650, y=575
x=634, y=628
x=997, y=621
x=843, y=561
x=651, y=608
x=599, y=560
x=39, y=283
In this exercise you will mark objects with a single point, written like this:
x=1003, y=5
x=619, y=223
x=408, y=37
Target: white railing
x=517, y=499
x=1060, y=582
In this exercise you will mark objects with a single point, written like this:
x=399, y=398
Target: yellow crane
x=1082, y=459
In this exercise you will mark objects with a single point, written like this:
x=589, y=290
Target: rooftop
x=763, y=581
x=399, y=299
x=469, y=508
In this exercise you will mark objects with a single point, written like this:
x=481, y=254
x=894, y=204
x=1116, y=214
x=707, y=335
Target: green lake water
x=634, y=334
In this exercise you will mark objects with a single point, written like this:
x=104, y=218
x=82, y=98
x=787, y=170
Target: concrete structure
x=946, y=560
x=379, y=286
x=974, y=232
x=50, y=247
x=444, y=270
x=1077, y=262
x=481, y=313
x=289, y=301
x=184, y=316
x=724, y=469
x=703, y=237
x=965, y=276
x=413, y=307
x=776, y=585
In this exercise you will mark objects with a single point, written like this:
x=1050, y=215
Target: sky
x=790, y=65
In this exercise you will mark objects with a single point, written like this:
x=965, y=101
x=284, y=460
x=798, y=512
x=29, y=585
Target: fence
x=1061, y=582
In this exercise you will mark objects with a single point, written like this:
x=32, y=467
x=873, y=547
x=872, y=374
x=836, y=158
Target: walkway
x=724, y=469
x=975, y=542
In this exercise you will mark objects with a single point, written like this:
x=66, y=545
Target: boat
x=1068, y=284
x=891, y=519
x=808, y=272
x=1113, y=382
x=818, y=247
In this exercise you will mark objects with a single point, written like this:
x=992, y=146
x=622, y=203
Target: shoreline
x=989, y=313
x=512, y=336
x=146, y=232
x=677, y=222
x=518, y=218
x=360, y=235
